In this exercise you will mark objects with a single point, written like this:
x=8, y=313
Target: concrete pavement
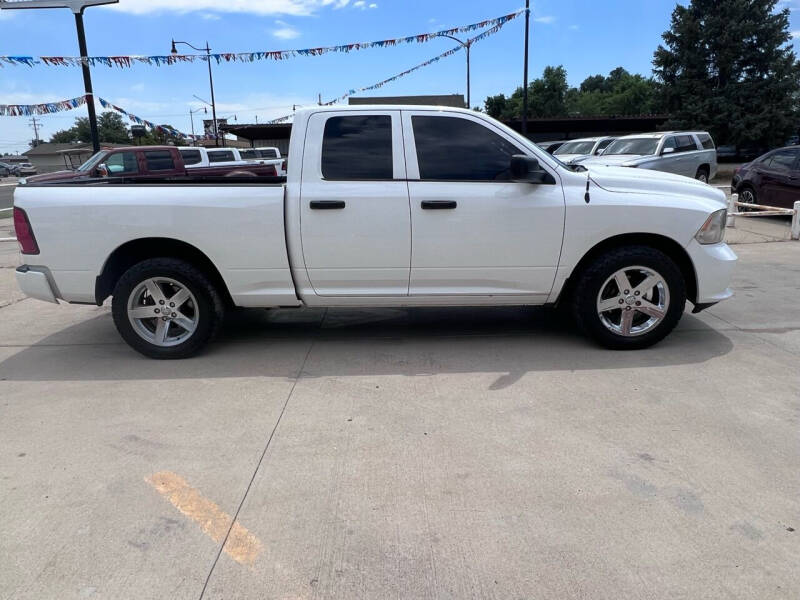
x=460, y=453
x=7, y=185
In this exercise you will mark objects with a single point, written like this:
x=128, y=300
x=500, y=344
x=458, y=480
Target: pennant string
x=159, y=60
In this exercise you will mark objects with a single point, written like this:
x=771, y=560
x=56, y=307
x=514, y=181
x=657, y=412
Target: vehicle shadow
x=509, y=341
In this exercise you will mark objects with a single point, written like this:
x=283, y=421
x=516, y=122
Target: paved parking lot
x=466, y=453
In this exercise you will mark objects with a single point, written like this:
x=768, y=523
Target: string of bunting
x=139, y=121
x=27, y=110
x=171, y=59
x=427, y=63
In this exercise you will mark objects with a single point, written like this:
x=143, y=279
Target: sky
x=586, y=36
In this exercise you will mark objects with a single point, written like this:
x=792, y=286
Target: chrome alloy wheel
x=163, y=311
x=633, y=301
x=746, y=196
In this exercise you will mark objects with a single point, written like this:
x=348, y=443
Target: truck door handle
x=439, y=204
x=326, y=204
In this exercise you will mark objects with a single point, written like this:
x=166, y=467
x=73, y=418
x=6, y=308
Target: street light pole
x=466, y=45
x=77, y=7
x=87, y=81
x=191, y=118
x=210, y=82
x=525, y=76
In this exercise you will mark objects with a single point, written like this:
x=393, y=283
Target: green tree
x=727, y=66
x=620, y=93
x=111, y=129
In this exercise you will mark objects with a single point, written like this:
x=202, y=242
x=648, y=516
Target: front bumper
x=713, y=267
x=35, y=284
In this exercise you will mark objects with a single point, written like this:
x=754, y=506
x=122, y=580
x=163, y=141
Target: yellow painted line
x=242, y=546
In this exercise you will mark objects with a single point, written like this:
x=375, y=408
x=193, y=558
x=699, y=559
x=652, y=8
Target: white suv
x=689, y=153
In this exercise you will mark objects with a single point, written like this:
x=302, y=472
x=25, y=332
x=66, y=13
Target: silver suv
x=689, y=153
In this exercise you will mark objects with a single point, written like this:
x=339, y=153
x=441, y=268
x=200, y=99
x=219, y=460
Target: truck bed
x=237, y=224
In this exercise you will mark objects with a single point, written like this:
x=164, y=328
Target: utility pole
x=35, y=124
x=525, y=76
x=319, y=99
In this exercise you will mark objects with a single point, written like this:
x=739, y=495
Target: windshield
x=93, y=161
x=576, y=148
x=638, y=146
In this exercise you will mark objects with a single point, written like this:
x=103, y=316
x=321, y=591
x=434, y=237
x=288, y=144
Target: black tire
x=743, y=192
x=210, y=308
x=594, y=277
x=702, y=174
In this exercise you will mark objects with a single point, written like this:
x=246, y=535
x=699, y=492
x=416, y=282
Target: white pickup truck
x=197, y=156
x=383, y=206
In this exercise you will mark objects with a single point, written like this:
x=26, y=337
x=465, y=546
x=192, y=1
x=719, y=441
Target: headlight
x=713, y=230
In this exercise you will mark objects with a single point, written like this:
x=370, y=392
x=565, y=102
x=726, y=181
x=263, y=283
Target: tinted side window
x=220, y=156
x=248, y=154
x=120, y=163
x=706, y=141
x=191, y=157
x=686, y=143
x=358, y=147
x=268, y=153
x=783, y=160
x=669, y=143
x=159, y=160
x=457, y=149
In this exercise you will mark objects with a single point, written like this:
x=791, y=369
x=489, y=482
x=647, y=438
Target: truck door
x=354, y=213
x=475, y=232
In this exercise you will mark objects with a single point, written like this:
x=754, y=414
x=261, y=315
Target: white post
x=732, y=208
x=796, y=221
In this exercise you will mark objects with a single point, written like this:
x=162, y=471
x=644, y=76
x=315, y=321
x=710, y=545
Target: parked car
x=772, y=179
x=551, y=147
x=495, y=221
x=26, y=169
x=688, y=153
x=8, y=170
x=147, y=162
x=575, y=150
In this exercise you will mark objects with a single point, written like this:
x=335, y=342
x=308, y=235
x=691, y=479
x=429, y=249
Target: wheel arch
x=135, y=251
x=663, y=243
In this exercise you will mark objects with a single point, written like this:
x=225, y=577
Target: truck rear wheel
x=629, y=298
x=166, y=308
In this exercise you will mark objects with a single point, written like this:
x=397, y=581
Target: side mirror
x=102, y=170
x=668, y=151
x=526, y=169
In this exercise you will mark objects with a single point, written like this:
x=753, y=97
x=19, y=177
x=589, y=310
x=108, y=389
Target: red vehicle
x=772, y=179
x=148, y=162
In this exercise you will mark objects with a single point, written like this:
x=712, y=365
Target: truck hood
x=644, y=181
x=568, y=158
x=57, y=176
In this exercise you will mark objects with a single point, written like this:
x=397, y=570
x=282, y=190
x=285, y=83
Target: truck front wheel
x=166, y=308
x=629, y=298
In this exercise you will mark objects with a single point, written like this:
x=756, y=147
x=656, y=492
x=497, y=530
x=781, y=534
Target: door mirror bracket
x=526, y=169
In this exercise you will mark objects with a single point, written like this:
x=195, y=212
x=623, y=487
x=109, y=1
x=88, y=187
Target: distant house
x=47, y=157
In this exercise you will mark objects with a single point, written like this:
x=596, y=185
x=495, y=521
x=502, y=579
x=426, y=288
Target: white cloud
x=547, y=20
x=574, y=27
x=255, y=7
x=373, y=5
x=210, y=16
x=285, y=31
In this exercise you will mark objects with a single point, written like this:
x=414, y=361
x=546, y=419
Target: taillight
x=283, y=166
x=24, y=232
